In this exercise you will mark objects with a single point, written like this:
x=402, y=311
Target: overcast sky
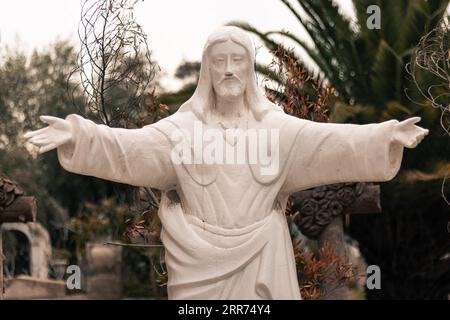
x=177, y=29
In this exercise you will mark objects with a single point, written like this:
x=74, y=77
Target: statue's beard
x=229, y=88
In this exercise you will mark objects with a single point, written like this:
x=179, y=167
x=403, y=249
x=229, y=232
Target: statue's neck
x=229, y=108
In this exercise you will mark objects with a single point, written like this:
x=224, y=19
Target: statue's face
x=229, y=69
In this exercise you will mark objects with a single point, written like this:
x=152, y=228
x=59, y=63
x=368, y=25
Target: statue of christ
x=223, y=222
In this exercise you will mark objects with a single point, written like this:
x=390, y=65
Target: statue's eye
x=238, y=59
x=219, y=60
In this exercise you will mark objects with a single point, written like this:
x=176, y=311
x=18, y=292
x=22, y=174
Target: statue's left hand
x=408, y=134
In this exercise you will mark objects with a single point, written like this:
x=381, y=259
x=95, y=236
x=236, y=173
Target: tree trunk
x=23, y=209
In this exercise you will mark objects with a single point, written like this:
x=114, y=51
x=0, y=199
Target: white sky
x=177, y=29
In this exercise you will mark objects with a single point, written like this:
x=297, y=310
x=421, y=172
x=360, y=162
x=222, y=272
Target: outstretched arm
x=139, y=157
x=326, y=153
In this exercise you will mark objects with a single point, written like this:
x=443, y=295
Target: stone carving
x=325, y=204
x=233, y=158
x=40, y=246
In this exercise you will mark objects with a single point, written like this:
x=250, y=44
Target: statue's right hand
x=57, y=133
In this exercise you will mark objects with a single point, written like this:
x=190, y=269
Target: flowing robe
x=223, y=226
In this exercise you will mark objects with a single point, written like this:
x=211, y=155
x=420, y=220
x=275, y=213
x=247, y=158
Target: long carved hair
x=202, y=100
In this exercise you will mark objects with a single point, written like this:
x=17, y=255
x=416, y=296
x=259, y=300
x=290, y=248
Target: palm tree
x=367, y=69
x=364, y=66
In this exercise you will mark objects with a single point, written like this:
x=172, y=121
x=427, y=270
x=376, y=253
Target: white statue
x=224, y=228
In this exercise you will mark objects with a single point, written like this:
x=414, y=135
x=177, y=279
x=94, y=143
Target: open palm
x=408, y=134
x=57, y=133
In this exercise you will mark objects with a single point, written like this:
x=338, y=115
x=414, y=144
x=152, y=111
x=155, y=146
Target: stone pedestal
x=26, y=287
x=104, y=271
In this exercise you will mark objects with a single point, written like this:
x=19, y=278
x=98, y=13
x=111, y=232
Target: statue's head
x=228, y=70
x=229, y=66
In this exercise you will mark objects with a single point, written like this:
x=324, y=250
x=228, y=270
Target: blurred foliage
x=31, y=87
x=301, y=94
x=105, y=221
x=188, y=72
x=409, y=241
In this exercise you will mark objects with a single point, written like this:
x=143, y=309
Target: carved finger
x=49, y=119
x=421, y=130
x=39, y=142
x=411, y=144
x=40, y=139
x=420, y=138
x=31, y=134
x=47, y=148
x=413, y=120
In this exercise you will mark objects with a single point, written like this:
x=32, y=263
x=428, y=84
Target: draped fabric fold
x=205, y=258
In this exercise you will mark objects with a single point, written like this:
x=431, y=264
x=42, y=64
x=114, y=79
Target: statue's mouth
x=230, y=79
